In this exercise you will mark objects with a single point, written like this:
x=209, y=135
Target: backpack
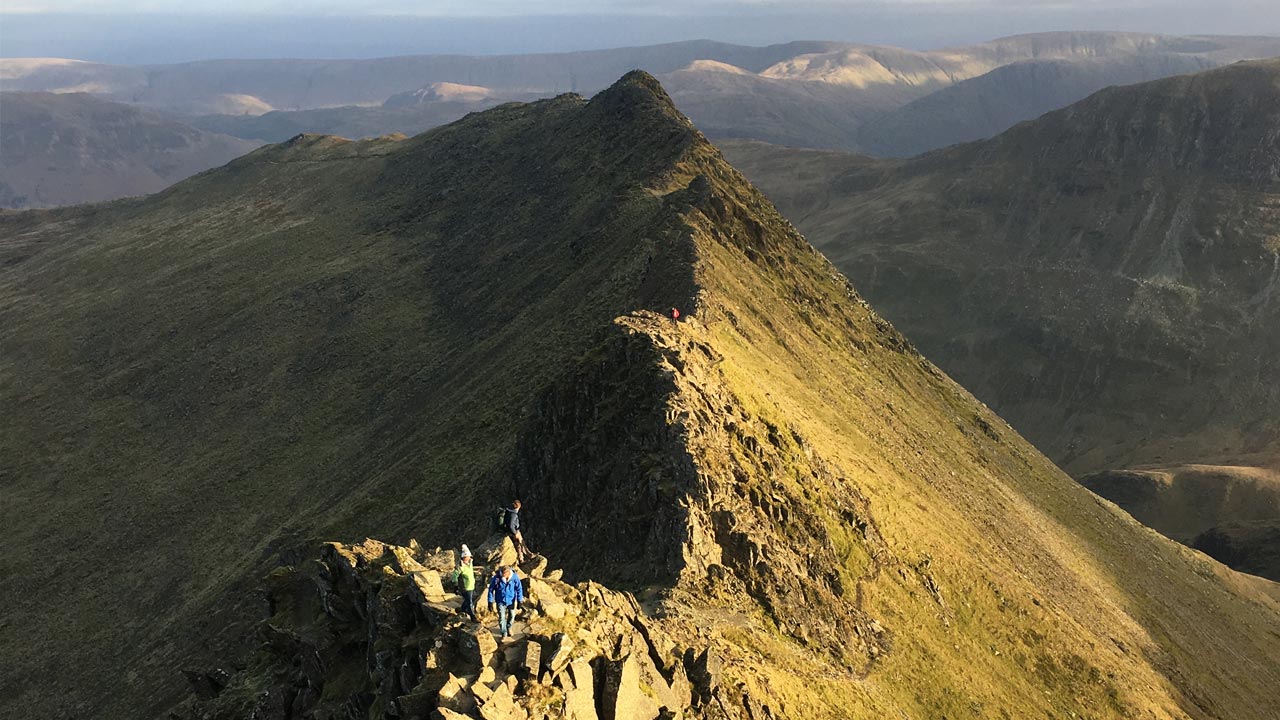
x=500, y=520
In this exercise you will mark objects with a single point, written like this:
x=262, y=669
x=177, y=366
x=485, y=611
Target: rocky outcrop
x=353, y=634
x=703, y=502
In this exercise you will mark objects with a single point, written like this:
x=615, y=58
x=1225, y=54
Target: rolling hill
x=62, y=149
x=337, y=339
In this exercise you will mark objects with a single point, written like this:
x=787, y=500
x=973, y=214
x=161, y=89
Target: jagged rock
x=680, y=685
x=556, y=657
x=447, y=714
x=488, y=676
x=476, y=645
x=624, y=699
x=578, y=685
x=535, y=566
x=455, y=696
x=554, y=574
x=547, y=600
x=532, y=660
x=501, y=705
x=405, y=562
x=704, y=672
x=652, y=678
x=427, y=583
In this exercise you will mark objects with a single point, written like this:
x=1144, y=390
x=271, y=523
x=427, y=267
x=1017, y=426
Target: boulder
x=428, y=585
x=447, y=714
x=482, y=693
x=498, y=550
x=476, y=645
x=454, y=696
x=624, y=699
x=554, y=574
x=535, y=566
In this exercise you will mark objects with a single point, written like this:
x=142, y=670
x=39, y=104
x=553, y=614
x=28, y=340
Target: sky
x=160, y=31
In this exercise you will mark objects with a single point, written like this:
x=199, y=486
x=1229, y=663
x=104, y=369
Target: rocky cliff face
x=380, y=338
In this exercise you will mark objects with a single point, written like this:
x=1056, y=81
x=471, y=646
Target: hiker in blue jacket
x=506, y=592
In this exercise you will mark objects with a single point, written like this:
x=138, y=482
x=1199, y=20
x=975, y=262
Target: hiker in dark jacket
x=506, y=592
x=465, y=578
x=511, y=526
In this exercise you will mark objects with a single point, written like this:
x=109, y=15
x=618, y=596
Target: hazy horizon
x=162, y=37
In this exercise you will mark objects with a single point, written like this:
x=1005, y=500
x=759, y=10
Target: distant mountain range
x=67, y=148
x=1105, y=277
x=883, y=100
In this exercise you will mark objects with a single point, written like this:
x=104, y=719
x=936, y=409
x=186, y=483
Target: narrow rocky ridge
x=371, y=630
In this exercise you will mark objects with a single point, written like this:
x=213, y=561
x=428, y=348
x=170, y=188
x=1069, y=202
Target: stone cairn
x=372, y=631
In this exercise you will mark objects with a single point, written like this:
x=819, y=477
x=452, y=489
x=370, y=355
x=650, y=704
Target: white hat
x=466, y=551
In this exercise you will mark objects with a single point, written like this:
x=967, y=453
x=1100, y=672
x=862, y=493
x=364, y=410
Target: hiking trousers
x=506, y=614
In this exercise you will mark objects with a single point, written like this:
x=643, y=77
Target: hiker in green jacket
x=465, y=579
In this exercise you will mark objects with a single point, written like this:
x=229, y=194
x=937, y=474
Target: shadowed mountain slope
x=336, y=339
x=76, y=148
x=1103, y=277
x=989, y=104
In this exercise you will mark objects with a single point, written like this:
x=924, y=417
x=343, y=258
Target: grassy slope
x=1051, y=601
x=339, y=339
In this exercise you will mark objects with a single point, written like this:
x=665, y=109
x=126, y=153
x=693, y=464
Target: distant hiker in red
x=675, y=314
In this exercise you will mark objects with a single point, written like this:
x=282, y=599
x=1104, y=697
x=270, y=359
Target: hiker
x=511, y=526
x=506, y=592
x=465, y=579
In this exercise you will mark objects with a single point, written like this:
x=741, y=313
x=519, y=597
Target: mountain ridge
x=345, y=339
